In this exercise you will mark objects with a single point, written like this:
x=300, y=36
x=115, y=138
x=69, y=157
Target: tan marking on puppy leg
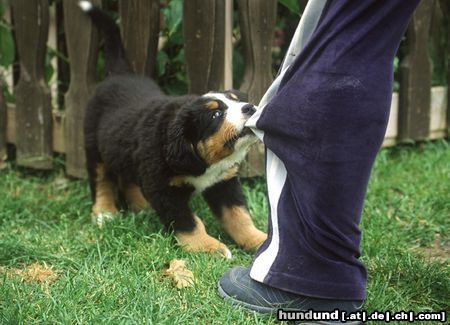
x=213, y=149
x=212, y=105
x=238, y=224
x=105, y=193
x=199, y=241
x=135, y=199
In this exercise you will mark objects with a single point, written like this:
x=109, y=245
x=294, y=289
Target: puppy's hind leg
x=105, y=191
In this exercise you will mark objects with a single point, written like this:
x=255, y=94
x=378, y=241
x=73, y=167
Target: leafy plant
x=170, y=61
x=7, y=49
x=292, y=5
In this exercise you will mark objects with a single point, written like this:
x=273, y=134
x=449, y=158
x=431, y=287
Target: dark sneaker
x=237, y=287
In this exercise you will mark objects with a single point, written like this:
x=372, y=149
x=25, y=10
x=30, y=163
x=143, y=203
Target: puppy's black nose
x=248, y=109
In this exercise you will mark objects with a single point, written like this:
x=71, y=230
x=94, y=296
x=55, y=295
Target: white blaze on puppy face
x=233, y=114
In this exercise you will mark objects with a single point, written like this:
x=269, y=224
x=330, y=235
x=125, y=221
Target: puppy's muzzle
x=248, y=110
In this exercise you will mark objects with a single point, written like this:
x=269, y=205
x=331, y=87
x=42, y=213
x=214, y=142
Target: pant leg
x=322, y=130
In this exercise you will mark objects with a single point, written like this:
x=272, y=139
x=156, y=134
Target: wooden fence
x=38, y=128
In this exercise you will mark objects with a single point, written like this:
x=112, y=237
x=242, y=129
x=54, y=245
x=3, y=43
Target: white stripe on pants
x=275, y=169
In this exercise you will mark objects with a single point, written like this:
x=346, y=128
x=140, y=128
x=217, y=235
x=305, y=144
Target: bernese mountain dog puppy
x=159, y=150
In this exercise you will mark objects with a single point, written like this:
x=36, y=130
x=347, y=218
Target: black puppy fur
x=161, y=149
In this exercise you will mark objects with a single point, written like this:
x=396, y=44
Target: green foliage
x=396, y=84
x=7, y=49
x=170, y=61
x=292, y=5
x=173, y=14
x=439, y=45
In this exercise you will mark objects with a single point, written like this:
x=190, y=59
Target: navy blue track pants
x=323, y=121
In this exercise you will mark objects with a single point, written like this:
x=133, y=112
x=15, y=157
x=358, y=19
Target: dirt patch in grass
x=36, y=273
x=439, y=251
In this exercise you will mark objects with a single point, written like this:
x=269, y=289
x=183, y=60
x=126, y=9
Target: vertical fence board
x=204, y=34
x=445, y=6
x=33, y=102
x=63, y=67
x=228, y=46
x=140, y=30
x=437, y=44
x=257, y=21
x=415, y=77
x=7, y=83
x=447, y=14
x=80, y=34
x=448, y=87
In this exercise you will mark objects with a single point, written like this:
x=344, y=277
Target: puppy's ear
x=243, y=97
x=180, y=153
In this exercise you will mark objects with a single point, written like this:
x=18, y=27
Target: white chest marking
x=218, y=171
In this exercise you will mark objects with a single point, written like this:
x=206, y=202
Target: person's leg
x=323, y=129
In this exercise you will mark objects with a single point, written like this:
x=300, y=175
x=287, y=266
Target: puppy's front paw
x=205, y=244
x=101, y=218
x=237, y=223
x=198, y=240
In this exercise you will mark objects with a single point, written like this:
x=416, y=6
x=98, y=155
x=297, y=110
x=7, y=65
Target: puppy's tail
x=115, y=58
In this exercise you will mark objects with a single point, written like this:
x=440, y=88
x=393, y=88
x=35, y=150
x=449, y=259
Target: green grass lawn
x=114, y=274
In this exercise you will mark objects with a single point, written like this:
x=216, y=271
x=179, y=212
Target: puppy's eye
x=216, y=114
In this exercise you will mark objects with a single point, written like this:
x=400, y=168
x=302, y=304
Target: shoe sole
x=259, y=309
x=268, y=310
